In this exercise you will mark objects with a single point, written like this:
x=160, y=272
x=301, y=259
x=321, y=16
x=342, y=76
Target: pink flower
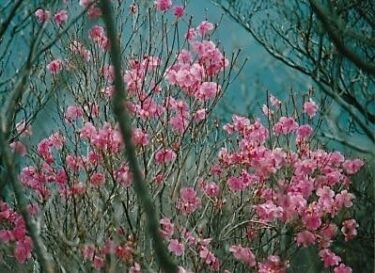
x=344, y=199
x=352, y=166
x=140, y=138
x=77, y=48
x=73, y=112
x=273, y=264
x=167, y=227
x=88, y=251
x=285, y=125
x=164, y=156
x=329, y=258
x=209, y=258
x=136, y=268
x=84, y=3
x=61, y=17
x=98, y=262
x=304, y=131
x=342, y=268
x=108, y=72
x=349, y=229
x=275, y=101
x=56, y=140
x=305, y=238
x=200, y=115
x=188, y=201
x=73, y=162
x=236, y=184
x=311, y=219
x=88, y=131
x=94, y=12
x=204, y=27
x=176, y=247
x=208, y=90
x=23, y=250
x=179, y=11
x=211, y=189
x=124, y=176
x=42, y=15
x=244, y=254
x=97, y=179
x=310, y=108
x=269, y=211
x=163, y=5
x=97, y=35
x=55, y=66
x=24, y=129
x=18, y=147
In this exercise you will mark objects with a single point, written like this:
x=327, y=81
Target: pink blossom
x=269, y=211
x=97, y=179
x=176, y=247
x=78, y=48
x=311, y=219
x=55, y=66
x=18, y=147
x=56, y=140
x=325, y=198
x=211, y=189
x=204, y=27
x=167, y=227
x=200, y=115
x=208, y=90
x=236, y=184
x=191, y=34
x=209, y=258
x=73, y=162
x=88, y=131
x=275, y=101
x=23, y=250
x=163, y=5
x=352, y=166
x=98, y=262
x=124, y=176
x=97, y=35
x=140, y=138
x=342, y=268
x=73, y=112
x=124, y=252
x=42, y=15
x=266, y=111
x=304, y=131
x=310, y=108
x=329, y=258
x=136, y=268
x=94, y=12
x=273, y=264
x=23, y=128
x=188, y=201
x=305, y=238
x=108, y=72
x=164, y=155
x=88, y=251
x=349, y=229
x=285, y=125
x=344, y=199
x=179, y=11
x=244, y=254
x=61, y=17
x=85, y=3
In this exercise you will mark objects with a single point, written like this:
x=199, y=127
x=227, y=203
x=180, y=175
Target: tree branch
x=123, y=118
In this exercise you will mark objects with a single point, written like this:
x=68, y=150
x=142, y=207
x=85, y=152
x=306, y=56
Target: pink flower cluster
x=14, y=233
